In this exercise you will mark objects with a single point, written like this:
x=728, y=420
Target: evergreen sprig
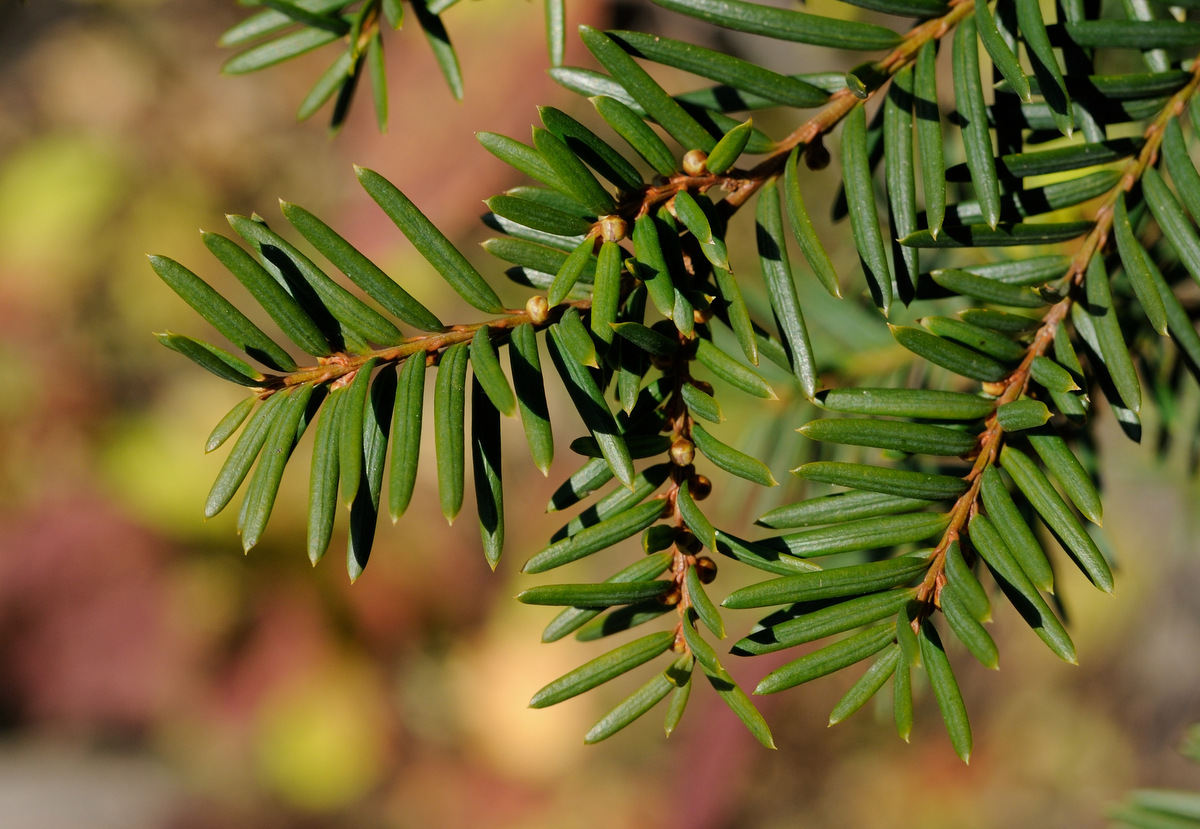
x=624, y=242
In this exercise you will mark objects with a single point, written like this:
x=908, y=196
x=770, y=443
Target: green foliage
x=1050, y=270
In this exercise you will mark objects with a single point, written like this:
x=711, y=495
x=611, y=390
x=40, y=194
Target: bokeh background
x=151, y=676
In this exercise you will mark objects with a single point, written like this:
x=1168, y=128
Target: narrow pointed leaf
x=867, y=685
x=973, y=336
x=927, y=404
x=520, y=156
x=637, y=133
x=449, y=410
x=781, y=289
x=677, y=705
x=865, y=534
x=723, y=68
x=352, y=313
x=487, y=469
x=274, y=298
x=786, y=24
x=406, y=434
x=597, y=537
x=1018, y=536
x=606, y=295
x=364, y=512
x=430, y=242
x=576, y=339
x=901, y=482
x=1134, y=34
x=1110, y=339
x=592, y=408
x=731, y=371
x=1058, y=516
x=828, y=660
x=332, y=80
x=1045, y=65
x=1172, y=220
x=1022, y=414
x=579, y=182
x=729, y=149
x=525, y=364
x=278, y=50
x=606, y=594
x=842, y=506
x=835, y=583
x=901, y=436
x=538, y=216
x=968, y=629
x=362, y=271
x=586, y=480
x=988, y=290
x=802, y=228
x=695, y=218
x=439, y=42
x=945, y=690
x=1069, y=472
x=1133, y=256
x=221, y=314
x=860, y=198
x=733, y=696
x=829, y=620
x=351, y=440
x=603, y=668
x=620, y=499
x=216, y=360
x=929, y=136
x=639, y=703
x=593, y=150
x=977, y=140
x=970, y=592
x=736, y=313
x=573, y=618
x=323, y=480
x=271, y=21
x=998, y=49
x=702, y=604
x=241, y=457
x=730, y=459
x=946, y=354
x=694, y=519
x=700, y=404
x=486, y=367
x=652, y=266
x=230, y=423
x=645, y=90
x=1020, y=591
x=902, y=703
x=1051, y=375
x=277, y=450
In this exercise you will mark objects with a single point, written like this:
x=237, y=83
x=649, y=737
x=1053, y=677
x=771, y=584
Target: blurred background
x=151, y=676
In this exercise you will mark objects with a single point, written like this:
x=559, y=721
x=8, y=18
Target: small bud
x=671, y=599
x=702, y=315
x=538, y=309
x=700, y=487
x=612, y=228
x=816, y=157
x=687, y=543
x=694, y=161
x=683, y=452
x=660, y=362
x=703, y=386
x=706, y=569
